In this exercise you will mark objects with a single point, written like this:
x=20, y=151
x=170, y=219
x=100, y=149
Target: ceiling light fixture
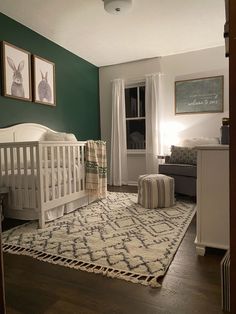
x=117, y=6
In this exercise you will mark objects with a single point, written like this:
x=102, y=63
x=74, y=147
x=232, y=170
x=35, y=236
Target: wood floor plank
x=191, y=285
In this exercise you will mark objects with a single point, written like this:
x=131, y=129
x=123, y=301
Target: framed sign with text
x=201, y=95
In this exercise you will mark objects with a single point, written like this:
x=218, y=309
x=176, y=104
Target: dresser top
x=213, y=147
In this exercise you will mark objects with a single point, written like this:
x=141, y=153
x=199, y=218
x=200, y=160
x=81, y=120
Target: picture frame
x=16, y=72
x=200, y=95
x=44, y=85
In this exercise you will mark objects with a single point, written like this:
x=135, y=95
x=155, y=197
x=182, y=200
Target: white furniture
x=212, y=198
x=46, y=178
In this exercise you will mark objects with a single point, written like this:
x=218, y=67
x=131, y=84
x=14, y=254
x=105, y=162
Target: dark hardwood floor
x=191, y=285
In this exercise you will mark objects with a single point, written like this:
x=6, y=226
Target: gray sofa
x=185, y=176
x=182, y=164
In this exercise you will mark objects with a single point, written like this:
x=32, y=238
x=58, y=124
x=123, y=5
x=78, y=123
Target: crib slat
x=40, y=192
x=11, y=161
x=64, y=169
x=78, y=165
x=1, y=166
x=32, y=170
x=59, y=181
x=12, y=166
x=69, y=170
x=19, y=178
x=52, y=172
x=74, y=163
x=80, y=168
x=83, y=167
x=26, y=178
x=46, y=185
x=6, y=167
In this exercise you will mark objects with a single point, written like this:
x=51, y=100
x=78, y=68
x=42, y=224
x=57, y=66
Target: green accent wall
x=77, y=90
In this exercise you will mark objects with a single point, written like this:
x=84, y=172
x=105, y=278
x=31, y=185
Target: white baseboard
x=135, y=183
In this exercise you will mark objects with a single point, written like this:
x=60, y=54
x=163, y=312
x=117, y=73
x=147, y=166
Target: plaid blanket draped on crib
x=96, y=168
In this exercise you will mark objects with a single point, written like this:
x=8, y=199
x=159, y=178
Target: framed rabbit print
x=44, y=89
x=16, y=65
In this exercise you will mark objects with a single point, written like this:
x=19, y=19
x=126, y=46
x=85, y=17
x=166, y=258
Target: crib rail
x=17, y=170
x=42, y=175
x=64, y=162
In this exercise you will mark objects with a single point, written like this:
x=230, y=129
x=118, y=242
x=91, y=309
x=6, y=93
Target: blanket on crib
x=96, y=168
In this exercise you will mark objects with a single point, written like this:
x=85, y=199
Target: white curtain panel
x=118, y=164
x=152, y=100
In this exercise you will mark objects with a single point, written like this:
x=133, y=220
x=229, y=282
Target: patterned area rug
x=115, y=237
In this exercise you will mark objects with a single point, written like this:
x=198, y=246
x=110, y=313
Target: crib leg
x=41, y=220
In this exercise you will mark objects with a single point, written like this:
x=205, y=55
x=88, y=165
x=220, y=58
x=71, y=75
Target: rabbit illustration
x=44, y=89
x=17, y=88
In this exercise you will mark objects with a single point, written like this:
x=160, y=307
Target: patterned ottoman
x=156, y=190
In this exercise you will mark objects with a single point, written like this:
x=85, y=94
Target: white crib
x=46, y=178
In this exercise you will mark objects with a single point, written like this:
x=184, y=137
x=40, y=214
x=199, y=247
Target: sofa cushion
x=178, y=169
x=183, y=155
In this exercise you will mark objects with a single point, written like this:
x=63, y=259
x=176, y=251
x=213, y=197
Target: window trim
x=136, y=151
x=136, y=118
x=136, y=85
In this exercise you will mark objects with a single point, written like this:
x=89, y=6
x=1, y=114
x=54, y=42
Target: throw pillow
x=58, y=136
x=53, y=136
x=70, y=137
x=183, y=155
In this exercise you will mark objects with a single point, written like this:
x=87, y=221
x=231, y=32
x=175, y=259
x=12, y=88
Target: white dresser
x=212, y=198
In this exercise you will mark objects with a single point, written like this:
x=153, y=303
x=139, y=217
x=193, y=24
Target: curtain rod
x=137, y=79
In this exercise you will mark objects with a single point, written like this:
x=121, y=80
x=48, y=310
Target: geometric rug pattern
x=115, y=237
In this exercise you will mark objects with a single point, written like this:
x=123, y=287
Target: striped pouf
x=156, y=190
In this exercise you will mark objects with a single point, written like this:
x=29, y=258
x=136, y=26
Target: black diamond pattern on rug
x=113, y=236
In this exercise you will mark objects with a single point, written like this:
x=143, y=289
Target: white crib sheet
x=30, y=179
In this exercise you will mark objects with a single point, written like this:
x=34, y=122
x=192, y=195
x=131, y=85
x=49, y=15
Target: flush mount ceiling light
x=117, y=6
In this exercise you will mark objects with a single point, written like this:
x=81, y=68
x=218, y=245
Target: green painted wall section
x=77, y=90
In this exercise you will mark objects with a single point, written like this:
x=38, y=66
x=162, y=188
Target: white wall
x=132, y=71
x=202, y=63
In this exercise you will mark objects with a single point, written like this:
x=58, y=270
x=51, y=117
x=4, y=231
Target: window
x=135, y=117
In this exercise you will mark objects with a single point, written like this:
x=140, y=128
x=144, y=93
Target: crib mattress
x=26, y=207
x=29, y=179
x=27, y=198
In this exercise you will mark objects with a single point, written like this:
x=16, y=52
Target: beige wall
x=202, y=63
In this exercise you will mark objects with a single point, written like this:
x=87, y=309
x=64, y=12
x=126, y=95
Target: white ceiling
x=152, y=28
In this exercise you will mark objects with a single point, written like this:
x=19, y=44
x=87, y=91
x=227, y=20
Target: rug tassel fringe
x=84, y=266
